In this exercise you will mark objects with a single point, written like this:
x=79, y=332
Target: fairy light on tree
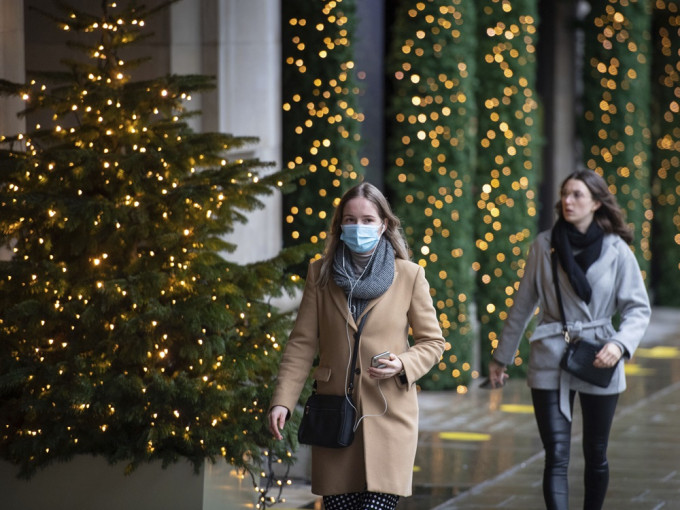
x=125, y=333
x=431, y=65
x=616, y=130
x=320, y=118
x=666, y=152
x=508, y=155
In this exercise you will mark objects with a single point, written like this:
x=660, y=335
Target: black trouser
x=361, y=501
x=555, y=431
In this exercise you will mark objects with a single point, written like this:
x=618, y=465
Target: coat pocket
x=547, y=353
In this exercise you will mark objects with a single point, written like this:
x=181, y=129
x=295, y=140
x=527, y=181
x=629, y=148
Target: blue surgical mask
x=360, y=238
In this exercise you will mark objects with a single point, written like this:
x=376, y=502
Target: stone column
x=369, y=47
x=12, y=68
x=242, y=48
x=557, y=81
x=12, y=65
x=186, y=48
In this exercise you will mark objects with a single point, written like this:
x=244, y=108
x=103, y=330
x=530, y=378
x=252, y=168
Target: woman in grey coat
x=598, y=277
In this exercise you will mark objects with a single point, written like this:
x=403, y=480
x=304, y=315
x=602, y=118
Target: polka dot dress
x=361, y=501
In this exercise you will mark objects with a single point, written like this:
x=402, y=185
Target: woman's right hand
x=497, y=374
x=277, y=419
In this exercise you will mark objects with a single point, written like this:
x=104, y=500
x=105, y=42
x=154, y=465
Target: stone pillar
x=563, y=104
x=369, y=46
x=186, y=48
x=242, y=49
x=12, y=66
x=557, y=81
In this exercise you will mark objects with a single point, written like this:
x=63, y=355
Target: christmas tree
x=124, y=330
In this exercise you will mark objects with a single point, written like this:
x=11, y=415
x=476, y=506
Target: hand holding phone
x=375, y=360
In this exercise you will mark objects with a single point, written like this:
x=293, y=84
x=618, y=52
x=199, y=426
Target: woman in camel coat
x=364, y=273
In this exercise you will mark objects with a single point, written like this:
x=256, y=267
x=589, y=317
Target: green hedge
x=666, y=153
x=320, y=118
x=431, y=69
x=509, y=155
x=616, y=130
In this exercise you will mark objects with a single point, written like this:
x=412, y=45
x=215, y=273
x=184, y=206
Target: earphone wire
x=349, y=343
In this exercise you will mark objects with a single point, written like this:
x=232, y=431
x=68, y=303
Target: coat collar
x=607, y=259
x=596, y=271
x=340, y=299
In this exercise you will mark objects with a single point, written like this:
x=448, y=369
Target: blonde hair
x=393, y=231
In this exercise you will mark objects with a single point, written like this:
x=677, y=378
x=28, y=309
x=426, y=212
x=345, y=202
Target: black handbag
x=328, y=420
x=580, y=353
x=578, y=360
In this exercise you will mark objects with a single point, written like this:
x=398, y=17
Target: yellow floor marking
x=659, y=352
x=517, y=408
x=633, y=369
x=464, y=436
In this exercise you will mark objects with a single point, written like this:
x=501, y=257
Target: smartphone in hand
x=376, y=360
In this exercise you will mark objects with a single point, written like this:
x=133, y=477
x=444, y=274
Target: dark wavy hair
x=393, y=232
x=609, y=216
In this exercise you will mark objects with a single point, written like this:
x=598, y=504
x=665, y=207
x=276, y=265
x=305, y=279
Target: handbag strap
x=565, y=329
x=355, y=353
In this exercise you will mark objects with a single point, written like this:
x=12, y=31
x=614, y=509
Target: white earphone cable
x=349, y=342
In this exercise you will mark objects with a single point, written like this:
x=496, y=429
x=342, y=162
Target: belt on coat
x=575, y=329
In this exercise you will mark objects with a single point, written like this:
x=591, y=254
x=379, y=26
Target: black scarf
x=376, y=278
x=565, y=237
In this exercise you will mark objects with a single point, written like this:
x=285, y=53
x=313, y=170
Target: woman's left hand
x=608, y=356
x=393, y=366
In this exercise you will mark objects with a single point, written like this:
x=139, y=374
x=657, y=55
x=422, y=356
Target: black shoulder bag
x=328, y=420
x=580, y=354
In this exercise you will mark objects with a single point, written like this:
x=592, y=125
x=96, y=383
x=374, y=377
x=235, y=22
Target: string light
x=666, y=153
x=508, y=131
x=321, y=146
x=430, y=146
x=617, y=140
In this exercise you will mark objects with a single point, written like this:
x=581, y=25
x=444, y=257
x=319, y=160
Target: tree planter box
x=90, y=483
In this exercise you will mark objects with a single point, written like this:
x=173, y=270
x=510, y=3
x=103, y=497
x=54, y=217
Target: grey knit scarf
x=376, y=279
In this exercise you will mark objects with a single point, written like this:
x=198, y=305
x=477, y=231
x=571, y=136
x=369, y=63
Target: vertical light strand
x=666, y=152
x=506, y=178
x=321, y=123
x=431, y=151
x=616, y=126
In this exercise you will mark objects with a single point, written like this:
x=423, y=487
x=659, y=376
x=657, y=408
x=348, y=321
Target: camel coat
x=381, y=457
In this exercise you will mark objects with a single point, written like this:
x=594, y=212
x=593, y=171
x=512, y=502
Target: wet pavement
x=481, y=450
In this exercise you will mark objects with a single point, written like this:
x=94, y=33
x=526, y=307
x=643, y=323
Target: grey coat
x=617, y=286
